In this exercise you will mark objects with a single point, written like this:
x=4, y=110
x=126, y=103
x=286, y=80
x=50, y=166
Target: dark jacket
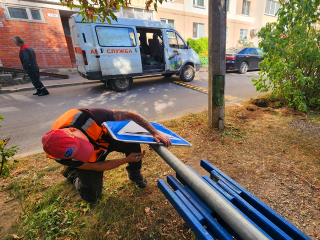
x=27, y=57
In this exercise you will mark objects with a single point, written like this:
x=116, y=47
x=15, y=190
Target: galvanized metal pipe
x=231, y=216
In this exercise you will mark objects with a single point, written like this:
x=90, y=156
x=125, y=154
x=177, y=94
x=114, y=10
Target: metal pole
x=231, y=216
x=217, y=62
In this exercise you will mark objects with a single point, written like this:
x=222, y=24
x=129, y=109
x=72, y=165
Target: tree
x=93, y=10
x=291, y=65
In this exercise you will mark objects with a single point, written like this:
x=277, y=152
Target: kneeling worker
x=80, y=141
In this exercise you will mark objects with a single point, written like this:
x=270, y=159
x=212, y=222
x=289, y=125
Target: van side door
x=118, y=51
x=176, y=51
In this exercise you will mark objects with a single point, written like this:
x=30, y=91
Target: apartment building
x=244, y=18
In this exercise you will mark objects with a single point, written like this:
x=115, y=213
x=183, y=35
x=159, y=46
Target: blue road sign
x=129, y=131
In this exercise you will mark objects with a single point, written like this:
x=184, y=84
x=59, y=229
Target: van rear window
x=116, y=37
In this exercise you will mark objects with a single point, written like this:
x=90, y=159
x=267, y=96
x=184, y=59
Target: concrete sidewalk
x=49, y=82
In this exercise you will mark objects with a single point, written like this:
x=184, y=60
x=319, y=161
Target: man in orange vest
x=79, y=140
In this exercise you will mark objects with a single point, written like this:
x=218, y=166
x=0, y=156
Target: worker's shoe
x=136, y=177
x=44, y=92
x=69, y=173
x=37, y=92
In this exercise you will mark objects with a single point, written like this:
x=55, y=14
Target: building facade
x=43, y=24
x=244, y=18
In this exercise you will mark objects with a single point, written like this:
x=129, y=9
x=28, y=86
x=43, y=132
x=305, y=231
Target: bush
x=5, y=155
x=201, y=46
x=291, y=65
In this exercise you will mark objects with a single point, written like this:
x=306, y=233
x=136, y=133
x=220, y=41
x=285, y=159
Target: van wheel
x=167, y=75
x=121, y=84
x=187, y=74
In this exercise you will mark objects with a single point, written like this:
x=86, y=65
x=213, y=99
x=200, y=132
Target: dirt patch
x=303, y=125
x=9, y=213
x=262, y=102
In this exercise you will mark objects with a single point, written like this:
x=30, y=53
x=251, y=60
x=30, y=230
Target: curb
x=47, y=86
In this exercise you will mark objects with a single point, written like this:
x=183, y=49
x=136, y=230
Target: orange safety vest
x=95, y=133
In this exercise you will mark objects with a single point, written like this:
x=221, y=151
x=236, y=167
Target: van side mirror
x=188, y=47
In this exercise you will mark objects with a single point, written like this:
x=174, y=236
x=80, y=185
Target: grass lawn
x=272, y=152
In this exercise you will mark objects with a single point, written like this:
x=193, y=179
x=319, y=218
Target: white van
x=129, y=48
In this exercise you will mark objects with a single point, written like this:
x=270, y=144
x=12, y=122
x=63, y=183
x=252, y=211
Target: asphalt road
x=27, y=118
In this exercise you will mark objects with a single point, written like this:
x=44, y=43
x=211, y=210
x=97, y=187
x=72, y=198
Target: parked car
x=243, y=58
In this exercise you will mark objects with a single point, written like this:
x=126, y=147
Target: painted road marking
x=9, y=109
x=205, y=90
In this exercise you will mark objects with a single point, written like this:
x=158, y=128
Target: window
x=272, y=7
x=198, y=3
x=198, y=30
x=243, y=51
x=24, y=13
x=246, y=7
x=175, y=41
x=227, y=3
x=252, y=51
x=168, y=21
x=244, y=34
x=137, y=13
x=259, y=51
x=171, y=23
x=116, y=37
x=128, y=13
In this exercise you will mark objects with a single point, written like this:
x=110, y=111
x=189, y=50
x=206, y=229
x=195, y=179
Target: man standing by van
x=29, y=64
x=79, y=140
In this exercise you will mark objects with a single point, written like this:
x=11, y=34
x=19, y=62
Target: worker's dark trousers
x=89, y=183
x=34, y=75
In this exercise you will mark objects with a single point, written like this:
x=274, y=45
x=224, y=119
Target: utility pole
x=217, y=62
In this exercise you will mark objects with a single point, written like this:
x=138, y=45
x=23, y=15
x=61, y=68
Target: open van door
x=176, y=51
x=117, y=50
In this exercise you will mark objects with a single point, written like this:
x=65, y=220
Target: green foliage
x=201, y=46
x=5, y=155
x=290, y=68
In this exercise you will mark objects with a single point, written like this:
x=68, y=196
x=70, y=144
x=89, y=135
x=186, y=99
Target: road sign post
x=217, y=62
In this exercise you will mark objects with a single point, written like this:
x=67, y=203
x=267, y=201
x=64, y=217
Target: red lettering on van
x=94, y=51
x=117, y=51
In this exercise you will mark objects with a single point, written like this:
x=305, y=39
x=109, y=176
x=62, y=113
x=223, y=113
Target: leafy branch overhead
x=103, y=10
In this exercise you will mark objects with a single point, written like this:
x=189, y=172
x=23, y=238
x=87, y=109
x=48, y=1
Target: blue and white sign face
x=129, y=131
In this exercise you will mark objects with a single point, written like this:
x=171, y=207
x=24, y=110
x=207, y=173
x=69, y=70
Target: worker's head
x=18, y=40
x=67, y=143
x=175, y=51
